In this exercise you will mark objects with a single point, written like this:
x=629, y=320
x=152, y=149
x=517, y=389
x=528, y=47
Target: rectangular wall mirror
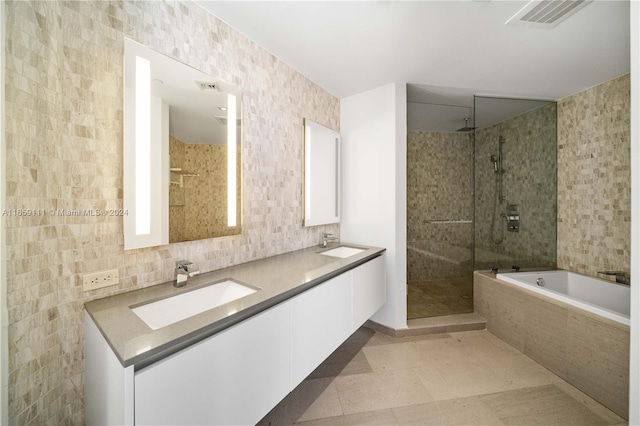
x=182, y=151
x=321, y=174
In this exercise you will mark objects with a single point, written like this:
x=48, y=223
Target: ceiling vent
x=207, y=85
x=546, y=14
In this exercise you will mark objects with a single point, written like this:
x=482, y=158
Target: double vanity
x=232, y=343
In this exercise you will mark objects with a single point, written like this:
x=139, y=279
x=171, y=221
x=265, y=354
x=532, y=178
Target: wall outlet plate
x=100, y=279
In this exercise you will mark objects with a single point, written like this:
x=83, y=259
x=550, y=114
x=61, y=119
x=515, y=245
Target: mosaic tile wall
x=594, y=185
x=529, y=160
x=439, y=190
x=198, y=194
x=176, y=193
x=64, y=154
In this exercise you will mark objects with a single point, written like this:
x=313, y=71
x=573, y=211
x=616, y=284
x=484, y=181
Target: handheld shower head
x=495, y=163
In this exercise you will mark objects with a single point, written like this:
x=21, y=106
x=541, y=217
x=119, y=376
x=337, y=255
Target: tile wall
x=64, y=154
x=594, y=185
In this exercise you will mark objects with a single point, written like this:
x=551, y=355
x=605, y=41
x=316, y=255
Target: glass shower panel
x=439, y=223
x=515, y=183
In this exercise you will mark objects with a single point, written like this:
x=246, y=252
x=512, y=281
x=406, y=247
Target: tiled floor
x=437, y=297
x=464, y=378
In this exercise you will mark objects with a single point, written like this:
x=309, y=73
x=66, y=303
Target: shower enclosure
x=481, y=194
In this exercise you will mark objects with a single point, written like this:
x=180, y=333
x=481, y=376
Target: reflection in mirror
x=203, y=147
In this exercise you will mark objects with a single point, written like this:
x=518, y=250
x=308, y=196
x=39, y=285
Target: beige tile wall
x=64, y=151
x=594, y=185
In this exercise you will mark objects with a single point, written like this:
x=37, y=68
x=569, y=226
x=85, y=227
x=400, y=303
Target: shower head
x=466, y=127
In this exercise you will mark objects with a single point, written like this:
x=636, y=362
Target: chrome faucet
x=327, y=237
x=184, y=270
x=621, y=276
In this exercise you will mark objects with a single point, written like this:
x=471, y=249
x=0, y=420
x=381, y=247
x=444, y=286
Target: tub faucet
x=621, y=276
x=184, y=270
x=327, y=237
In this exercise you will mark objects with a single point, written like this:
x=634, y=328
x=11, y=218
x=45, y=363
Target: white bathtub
x=608, y=299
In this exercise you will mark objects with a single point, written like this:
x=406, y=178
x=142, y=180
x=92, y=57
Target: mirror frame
x=321, y=175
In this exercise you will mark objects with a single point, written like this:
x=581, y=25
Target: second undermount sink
x=342, y=251
x=184, y=305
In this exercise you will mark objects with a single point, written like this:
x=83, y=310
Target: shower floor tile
x=436, y=297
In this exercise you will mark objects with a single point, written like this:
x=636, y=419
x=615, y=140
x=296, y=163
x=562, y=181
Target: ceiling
x=447, y=51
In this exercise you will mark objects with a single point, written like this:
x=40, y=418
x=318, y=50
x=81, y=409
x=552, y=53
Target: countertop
x=279, y=278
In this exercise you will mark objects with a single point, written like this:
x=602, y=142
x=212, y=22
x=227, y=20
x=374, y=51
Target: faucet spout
x=328, y=237
x=184, y=270
x=621, y=276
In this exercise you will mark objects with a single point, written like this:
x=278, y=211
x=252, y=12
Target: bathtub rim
x=598, y=311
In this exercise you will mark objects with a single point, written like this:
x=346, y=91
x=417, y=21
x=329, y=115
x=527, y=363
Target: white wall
x=374, y=150
x=634, y=372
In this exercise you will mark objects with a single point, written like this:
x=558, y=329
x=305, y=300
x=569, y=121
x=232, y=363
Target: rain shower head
x=466, y=127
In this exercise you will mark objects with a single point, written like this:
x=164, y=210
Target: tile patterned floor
x=437, y=297
x=464, y=378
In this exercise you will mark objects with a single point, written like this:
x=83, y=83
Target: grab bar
x=448, y=221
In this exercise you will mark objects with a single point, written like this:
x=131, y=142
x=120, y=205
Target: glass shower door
x=515, y=183
x=439, y=223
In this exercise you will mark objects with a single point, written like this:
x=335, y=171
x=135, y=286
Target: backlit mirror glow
x=143, y=146
x=231, y=161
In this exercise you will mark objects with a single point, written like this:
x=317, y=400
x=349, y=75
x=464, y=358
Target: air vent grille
x=207, y=85
x=546, y=14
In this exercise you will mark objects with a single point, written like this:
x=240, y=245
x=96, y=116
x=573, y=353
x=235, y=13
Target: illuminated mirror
x=321, y=174
x=182, y=152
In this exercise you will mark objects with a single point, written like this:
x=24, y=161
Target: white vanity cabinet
x=232, y=378
x=108, y=386
x=321, y=319
x=239, y=374
x=369, y=290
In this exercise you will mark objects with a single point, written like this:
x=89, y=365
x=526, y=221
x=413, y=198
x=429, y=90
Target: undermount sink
x=182, y=306
x=342, y=251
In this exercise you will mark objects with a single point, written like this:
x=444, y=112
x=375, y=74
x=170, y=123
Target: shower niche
x=481, y=193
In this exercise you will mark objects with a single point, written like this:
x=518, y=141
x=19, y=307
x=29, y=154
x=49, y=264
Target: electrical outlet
x=100, y=279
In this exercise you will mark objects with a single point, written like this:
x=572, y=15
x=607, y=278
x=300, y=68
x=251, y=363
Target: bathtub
x=605, y=298
x=575, y=326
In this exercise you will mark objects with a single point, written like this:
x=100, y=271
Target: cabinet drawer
x=234, y=377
